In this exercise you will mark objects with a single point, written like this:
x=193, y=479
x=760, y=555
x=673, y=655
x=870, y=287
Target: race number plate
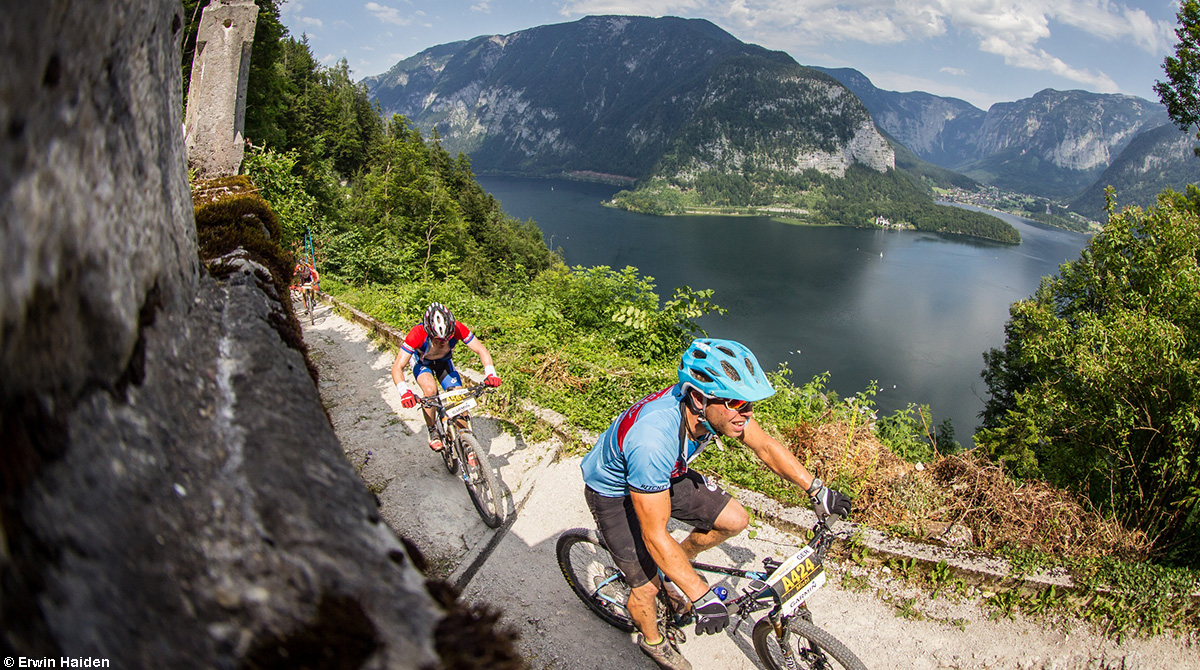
x=797, y=579
x=460, y=406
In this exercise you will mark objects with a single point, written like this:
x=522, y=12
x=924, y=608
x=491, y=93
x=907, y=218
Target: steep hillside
x=392, y=89
x=1156, y=159
x=617, y=95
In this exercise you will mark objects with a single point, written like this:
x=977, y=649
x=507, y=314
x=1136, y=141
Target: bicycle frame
x=760, y=594
x=461, y=449
x=448, y=421
x=785, y=637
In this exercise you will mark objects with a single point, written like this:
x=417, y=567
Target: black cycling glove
x=826, y=501
x=711, y=614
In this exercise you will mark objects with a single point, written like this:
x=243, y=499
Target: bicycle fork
x=783, y=635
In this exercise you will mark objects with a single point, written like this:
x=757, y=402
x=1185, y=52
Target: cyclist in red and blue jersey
x=637, y=478
x=428, y=347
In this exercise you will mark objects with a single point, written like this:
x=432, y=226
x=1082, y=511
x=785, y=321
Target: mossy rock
x=231, y=216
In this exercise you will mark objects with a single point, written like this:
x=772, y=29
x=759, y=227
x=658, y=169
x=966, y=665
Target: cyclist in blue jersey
x=636, y=477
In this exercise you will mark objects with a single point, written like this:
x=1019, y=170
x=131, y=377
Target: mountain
x=938, y=130
x=630, y=97
x=1053, y=144
x=1154, y=160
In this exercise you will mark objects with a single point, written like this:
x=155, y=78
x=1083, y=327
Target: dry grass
x=959, y=490
x=554, y=372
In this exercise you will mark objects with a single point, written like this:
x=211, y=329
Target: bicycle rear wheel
x=811, y=647
x=481, y=482
x=593, y=575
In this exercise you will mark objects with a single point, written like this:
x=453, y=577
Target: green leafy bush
x=1098, y=384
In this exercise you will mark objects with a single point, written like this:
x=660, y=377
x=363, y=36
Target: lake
x=913, y=311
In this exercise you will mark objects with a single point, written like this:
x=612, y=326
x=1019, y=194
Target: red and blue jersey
x=643, y=449
x=417, y=342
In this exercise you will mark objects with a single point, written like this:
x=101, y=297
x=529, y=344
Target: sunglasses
x=736, y=404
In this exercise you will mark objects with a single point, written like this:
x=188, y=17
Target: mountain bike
x=307, y=300
x=784, y=638
x=310, y=303
x=461, y=448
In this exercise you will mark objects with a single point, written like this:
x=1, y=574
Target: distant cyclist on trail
x=636, y=478
x=428, y=347
x=305, y=276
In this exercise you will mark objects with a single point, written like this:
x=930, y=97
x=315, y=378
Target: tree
x=1098, y=384
x=1180, y=93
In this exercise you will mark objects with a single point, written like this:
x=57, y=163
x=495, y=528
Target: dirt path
x=514, y=567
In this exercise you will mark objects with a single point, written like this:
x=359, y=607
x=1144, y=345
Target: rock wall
x=171, y=491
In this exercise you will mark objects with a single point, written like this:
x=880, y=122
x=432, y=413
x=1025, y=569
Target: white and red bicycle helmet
x=439, y=322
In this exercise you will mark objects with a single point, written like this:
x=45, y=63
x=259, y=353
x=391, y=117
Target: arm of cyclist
x=407, y=398
x=485, y=357
x=784, y=463
x=653, y=511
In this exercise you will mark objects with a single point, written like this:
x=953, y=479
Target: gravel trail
x=514, y=568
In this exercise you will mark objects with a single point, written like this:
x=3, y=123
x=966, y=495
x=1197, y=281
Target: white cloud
x=956, y=71
x=309, y=21
x=1019, y=31
x=388, y=14
x=896, y=81
x=646, y=8
x=485, y=6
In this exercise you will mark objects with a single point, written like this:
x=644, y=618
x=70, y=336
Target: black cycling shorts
x=694, y=500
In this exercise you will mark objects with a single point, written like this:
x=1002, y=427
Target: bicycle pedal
x=675, y=635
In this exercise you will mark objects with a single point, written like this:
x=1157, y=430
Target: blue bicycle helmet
x=725, y=369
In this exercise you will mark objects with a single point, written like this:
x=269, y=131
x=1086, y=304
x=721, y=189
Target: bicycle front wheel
x=811, y=647
x=449, y=458
x=593, y=575
x=481, y=482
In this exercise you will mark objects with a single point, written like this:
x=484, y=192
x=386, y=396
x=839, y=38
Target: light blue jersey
x=643, y=449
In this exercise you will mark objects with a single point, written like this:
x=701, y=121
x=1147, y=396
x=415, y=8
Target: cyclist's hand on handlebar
x=711, y=614
x=408, y=400
x=827, y=501
x=492, y=380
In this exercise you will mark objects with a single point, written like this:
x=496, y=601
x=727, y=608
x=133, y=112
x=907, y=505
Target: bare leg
x=643, y=610
x=429, y=387
x=732, y=520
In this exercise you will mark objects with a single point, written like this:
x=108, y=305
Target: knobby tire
x=481, y=481
x=813, y=647
x=449, y=457
x=583, y=559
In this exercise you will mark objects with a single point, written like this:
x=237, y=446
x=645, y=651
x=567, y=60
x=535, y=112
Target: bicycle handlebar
x=436, y=400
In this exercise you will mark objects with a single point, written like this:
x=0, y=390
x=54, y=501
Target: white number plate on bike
x=797, y=579
x=460, y=407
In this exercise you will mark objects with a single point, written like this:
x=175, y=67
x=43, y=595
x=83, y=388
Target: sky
x=981, y=51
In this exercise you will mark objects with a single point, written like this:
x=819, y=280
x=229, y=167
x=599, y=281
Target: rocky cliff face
x=1053, y=144
x=629, y=96
x=1074, y=130
x=1154, y=160
x=937, y=129
x=171, y=491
